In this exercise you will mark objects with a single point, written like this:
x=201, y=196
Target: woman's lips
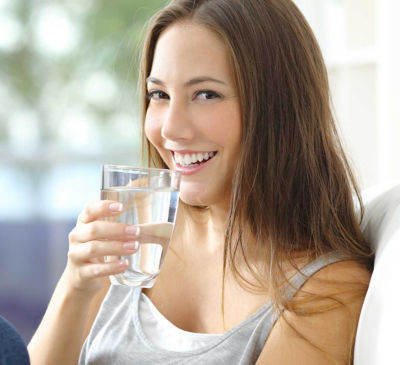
x=190, y=170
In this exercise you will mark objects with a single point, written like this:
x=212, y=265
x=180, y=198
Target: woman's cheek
x=152, y=131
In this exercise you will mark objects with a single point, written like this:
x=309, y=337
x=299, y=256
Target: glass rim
x=145, y=169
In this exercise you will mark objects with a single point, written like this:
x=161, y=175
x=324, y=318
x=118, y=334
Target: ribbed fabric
x=117, y=336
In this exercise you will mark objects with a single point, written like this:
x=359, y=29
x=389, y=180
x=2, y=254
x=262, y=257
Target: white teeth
x=188, y=159
x=178, y=158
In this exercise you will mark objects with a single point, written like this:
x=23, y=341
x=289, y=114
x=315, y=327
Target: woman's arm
x=331, y=331
x=65, y=326
x=83, y=285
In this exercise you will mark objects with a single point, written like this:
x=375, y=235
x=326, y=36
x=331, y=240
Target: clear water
x=154, y=212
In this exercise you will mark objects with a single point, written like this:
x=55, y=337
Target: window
x=359, y=40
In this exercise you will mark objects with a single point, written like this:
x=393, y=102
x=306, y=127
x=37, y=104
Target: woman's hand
x=91, y=240
x=78, y=295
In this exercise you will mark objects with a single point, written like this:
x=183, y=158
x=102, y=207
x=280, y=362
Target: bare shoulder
x=328, y=334
x=341, y=272
x=345, y=278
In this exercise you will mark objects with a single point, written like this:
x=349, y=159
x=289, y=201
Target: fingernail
x=116, y=207
x=123, y=263
x=132, y=230
x=131, y=245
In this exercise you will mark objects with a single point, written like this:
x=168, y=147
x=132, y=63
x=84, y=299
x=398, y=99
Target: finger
x=102, y=230
x=142, y=182
x=100, y=209
x=93, y=271
x=98, y=249
x=155, y=232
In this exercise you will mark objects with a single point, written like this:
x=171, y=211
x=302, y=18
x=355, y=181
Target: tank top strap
x=299, y=279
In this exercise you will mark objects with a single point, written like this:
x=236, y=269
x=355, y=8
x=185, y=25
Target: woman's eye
x=207, y=95
x=156, y=95
x=202, y=95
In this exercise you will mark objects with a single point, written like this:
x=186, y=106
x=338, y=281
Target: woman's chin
x=192, y=199
x=203, y=195
x=200, y=199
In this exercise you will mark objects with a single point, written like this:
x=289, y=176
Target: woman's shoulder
x=321, y=326
x=112, y=305
x=337, y=275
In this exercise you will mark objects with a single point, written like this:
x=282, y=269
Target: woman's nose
x=177, y=124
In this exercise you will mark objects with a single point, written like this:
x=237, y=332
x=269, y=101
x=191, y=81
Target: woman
x=242, y=85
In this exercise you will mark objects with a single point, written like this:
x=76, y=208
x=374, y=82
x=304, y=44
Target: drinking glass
x=150, y=200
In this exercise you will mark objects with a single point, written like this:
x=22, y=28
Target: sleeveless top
x=118, y=337
x=162, y=333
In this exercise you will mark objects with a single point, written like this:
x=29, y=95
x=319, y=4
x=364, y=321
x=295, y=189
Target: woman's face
x=193, y=118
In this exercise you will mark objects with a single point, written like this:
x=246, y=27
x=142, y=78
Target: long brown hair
x=293, y=187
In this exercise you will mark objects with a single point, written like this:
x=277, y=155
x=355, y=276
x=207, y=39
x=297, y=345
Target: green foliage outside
x=49, y=85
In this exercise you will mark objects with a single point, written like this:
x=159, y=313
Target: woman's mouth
x=190, y=163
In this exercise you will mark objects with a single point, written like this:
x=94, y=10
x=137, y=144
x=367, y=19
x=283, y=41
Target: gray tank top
x=117, y=336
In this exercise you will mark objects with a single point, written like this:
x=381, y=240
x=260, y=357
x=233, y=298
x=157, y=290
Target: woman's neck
x=204, y=227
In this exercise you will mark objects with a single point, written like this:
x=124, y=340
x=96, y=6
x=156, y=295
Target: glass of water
x=150, y=200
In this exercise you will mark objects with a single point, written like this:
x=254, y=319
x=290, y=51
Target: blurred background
x=68, y=104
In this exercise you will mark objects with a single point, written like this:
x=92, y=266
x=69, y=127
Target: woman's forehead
x=192, y=49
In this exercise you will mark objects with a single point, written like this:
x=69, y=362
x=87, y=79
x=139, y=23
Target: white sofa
x=378, y=333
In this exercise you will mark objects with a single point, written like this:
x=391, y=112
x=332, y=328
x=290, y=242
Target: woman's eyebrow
x=193, y=81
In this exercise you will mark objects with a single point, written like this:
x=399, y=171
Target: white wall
x=361, y=47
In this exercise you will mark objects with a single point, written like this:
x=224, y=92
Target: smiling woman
x=267, y=262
